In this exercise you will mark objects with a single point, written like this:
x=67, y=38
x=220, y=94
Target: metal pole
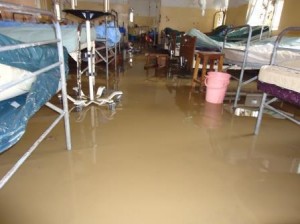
x=106, y=5
x=90, y=62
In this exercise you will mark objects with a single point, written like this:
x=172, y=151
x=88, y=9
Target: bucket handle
x=205, y=80
x=206, y=77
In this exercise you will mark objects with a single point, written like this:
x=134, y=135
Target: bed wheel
x=78, y=108
x=112, y=106
x=59, y=96
x=117, y=98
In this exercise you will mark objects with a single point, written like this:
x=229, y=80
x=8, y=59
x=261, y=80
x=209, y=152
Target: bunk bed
x=252, y=55
x=280, y=80
x=39, y=69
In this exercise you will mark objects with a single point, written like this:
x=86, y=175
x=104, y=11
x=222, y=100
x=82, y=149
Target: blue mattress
x=15, y=112
x=111, y=31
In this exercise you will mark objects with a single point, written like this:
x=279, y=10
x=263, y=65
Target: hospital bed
x=103, y=38
x=280, y=80
x=32, y=73
x=238, y=35
x=108, y=37
x=252, y=55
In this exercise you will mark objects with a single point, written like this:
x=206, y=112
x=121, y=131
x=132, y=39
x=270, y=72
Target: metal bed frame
x=266, y=103
x=110, y=54
x=62, y=112
x=244, y=64
x=92, y=51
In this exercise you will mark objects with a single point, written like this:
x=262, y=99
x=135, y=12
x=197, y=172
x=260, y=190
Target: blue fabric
x=203, y=42
x=13, y=120
x=113, y=33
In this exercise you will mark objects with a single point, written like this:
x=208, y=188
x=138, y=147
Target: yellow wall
x=290, y=15
x=144, y=21
x=23, y=2
x=184, y=19
x=236, y=16
x=9, y=15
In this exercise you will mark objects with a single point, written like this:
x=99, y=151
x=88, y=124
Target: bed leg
x=260, y=114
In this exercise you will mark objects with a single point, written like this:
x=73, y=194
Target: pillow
x=10, y=74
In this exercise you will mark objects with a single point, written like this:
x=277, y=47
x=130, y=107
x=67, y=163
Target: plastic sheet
x=113, y=33
x=15, y=112
x=204, y=42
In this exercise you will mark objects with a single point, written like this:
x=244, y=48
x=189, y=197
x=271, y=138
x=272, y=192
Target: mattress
x=111, y=32
x=27, y=32
x=287, y=77
x=203, y=42
x=11, y=74
x=260, y=52
x=16, y=111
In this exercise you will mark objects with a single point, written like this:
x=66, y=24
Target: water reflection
x=196, y=109
x=212, y=117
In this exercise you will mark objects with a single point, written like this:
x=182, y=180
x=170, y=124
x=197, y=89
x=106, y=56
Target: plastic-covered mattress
x=15, y=112
x=240, y=34
x=259, y=52
x=203, y=42
x=30, y=32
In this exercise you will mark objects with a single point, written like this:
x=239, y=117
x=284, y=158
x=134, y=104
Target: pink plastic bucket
x=216, y=85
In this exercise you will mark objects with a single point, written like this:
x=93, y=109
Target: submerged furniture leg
x=206, y=57
x=260, y=114
x=195, y=74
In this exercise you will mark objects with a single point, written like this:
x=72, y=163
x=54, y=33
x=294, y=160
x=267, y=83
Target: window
x=265, y=12
x=277, y=14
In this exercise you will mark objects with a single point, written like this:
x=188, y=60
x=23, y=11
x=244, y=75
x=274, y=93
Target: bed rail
x=277, y=47
x=272, y=95
x=252, y=32
x=241, y=81
x=63, y=112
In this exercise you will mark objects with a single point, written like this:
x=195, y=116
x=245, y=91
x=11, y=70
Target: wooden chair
x=206, y=57
x=187, y=51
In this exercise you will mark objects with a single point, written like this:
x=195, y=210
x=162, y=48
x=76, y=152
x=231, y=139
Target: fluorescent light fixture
x=131, y=15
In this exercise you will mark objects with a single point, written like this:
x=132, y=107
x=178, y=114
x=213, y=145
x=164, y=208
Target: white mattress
x=11, y=74
x=43, y=32
x=286, y=77
x=260, y=53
